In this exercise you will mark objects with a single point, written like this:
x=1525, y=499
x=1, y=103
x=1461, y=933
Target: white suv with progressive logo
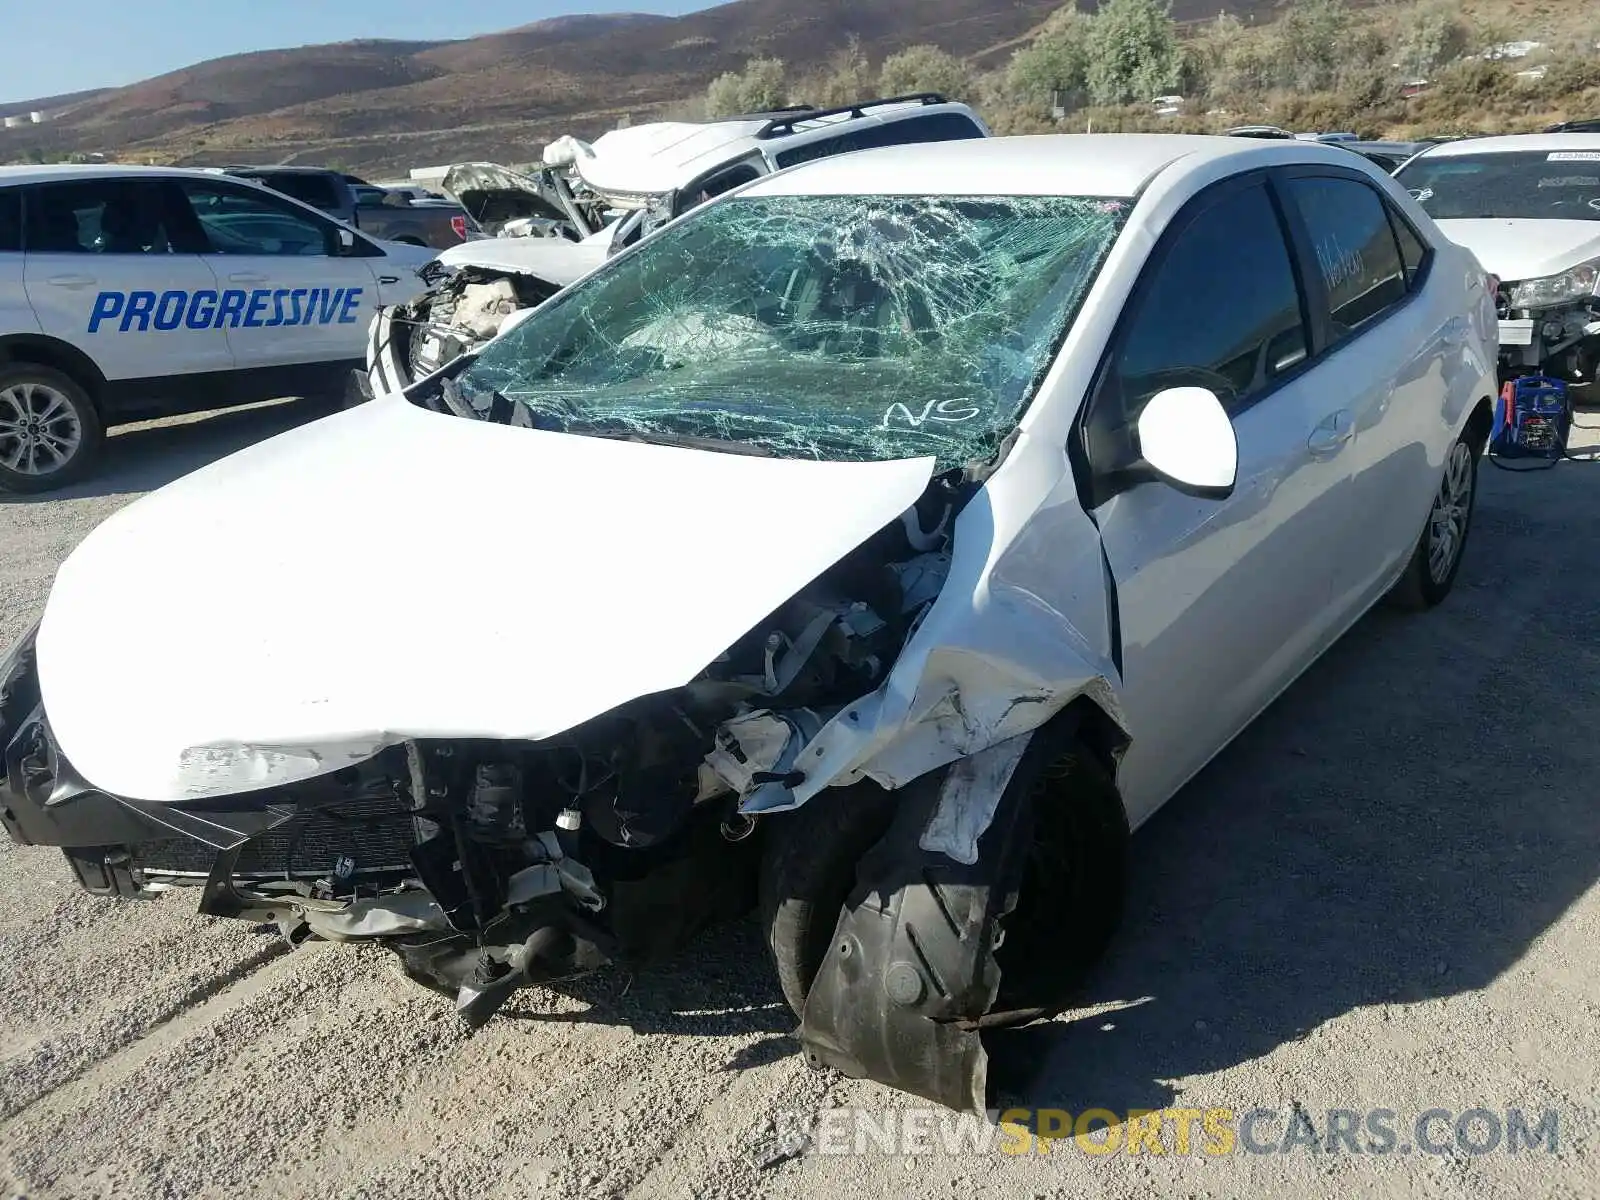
x=134, y=292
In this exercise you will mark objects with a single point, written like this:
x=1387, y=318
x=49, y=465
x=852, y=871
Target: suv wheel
x=50, y=431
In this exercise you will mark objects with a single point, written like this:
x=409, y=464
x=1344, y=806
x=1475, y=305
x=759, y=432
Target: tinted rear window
x=936, y=127
x=10, y=220
x=315, y=190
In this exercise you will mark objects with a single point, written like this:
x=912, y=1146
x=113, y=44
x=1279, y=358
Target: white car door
x=16, y=313
x=291, y=291
x=1399, y=350
x=1220, y=602
x=104, y=272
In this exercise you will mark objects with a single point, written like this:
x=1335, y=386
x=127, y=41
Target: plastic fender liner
x=902, y=994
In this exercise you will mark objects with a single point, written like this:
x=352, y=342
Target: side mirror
x=1186, y=438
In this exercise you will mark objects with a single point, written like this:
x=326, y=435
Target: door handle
x=388, y=279
x=246, y=277
x=71, y=281
x=1328, y=438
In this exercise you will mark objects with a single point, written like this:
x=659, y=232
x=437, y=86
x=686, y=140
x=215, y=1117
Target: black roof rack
x=1585, y=125
x=770, y=114
x=785, y=125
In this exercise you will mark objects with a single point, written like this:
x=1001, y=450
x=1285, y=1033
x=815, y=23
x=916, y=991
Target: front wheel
x=1435, y=562
x=50, y=431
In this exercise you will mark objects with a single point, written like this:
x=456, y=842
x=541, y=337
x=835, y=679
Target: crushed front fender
x=911, y=977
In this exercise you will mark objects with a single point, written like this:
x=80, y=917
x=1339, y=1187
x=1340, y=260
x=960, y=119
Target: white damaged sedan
x=877, y=546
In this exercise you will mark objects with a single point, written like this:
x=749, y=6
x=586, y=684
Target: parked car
x=1063, y=456
x=1390, y=156
x=1268, y=132
x=378, y=212
x=1529, y=207
x=135, y=292
x=605, y=197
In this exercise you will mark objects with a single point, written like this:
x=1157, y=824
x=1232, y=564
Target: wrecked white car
x=875, y=546
x=1529, y=207
x=604, y=197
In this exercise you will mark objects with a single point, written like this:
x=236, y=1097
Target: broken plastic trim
x=911, y=974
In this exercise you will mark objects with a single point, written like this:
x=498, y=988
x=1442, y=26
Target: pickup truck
x=375, y=212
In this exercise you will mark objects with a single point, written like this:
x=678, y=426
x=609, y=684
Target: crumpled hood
x=1515, y=249
x=494, y=194
x=554, y=260
x=389, y=572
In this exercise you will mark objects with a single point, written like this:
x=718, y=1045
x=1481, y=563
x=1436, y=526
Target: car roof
x=663, y=155
x=1052, y=164
x=65, y=172
x=1533, y=143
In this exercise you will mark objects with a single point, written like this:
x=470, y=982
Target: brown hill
x=384, y=105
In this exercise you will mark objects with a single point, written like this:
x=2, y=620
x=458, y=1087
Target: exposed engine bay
x=461, y=311
x=1558, y=340
x=488, y=865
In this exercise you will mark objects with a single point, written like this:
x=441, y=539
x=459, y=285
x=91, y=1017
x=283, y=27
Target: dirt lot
x=1381, y=897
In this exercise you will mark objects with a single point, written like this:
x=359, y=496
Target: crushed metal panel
x=968, y=798
x=226, y=650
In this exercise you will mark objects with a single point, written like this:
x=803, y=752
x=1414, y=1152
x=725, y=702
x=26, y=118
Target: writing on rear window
x=163, y=312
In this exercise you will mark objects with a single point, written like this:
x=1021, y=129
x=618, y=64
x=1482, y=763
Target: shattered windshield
x=836, y=327
x=1561, y=185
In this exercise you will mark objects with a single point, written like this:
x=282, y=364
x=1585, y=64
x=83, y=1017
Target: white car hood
x=389, y=572
x=1523, y=248
x=554, y=260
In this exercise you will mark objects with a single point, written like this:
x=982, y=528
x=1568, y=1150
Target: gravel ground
x=1382, y=896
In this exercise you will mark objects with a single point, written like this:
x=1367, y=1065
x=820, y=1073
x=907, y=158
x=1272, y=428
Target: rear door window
x=315, y=190
x=1362, y=272
x=935, y=127
x=98, y=216
x=1413, y=250
x=10, y=220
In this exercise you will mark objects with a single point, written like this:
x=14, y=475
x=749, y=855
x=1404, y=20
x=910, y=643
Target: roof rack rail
x=775, y=113
x=785, y=125
x=1582, y=125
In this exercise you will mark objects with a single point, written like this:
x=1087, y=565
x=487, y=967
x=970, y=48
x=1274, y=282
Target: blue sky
x=57, y=46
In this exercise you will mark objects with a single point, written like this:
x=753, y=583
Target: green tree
x=1057, y=60
x=846, y=78
x=1311, y=48
x=1134, y=54
x=759, y=87
x=1432, y=34
x=927, y=69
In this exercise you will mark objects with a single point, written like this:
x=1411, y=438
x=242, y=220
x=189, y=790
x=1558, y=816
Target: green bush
x=759, y=87
x=927, y=69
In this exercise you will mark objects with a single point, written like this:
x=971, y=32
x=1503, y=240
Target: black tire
x=1071, y=897
x=808, y=868
x=28, y=389
x=1425, y=584
x=1074, y=885
x=409, y=240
